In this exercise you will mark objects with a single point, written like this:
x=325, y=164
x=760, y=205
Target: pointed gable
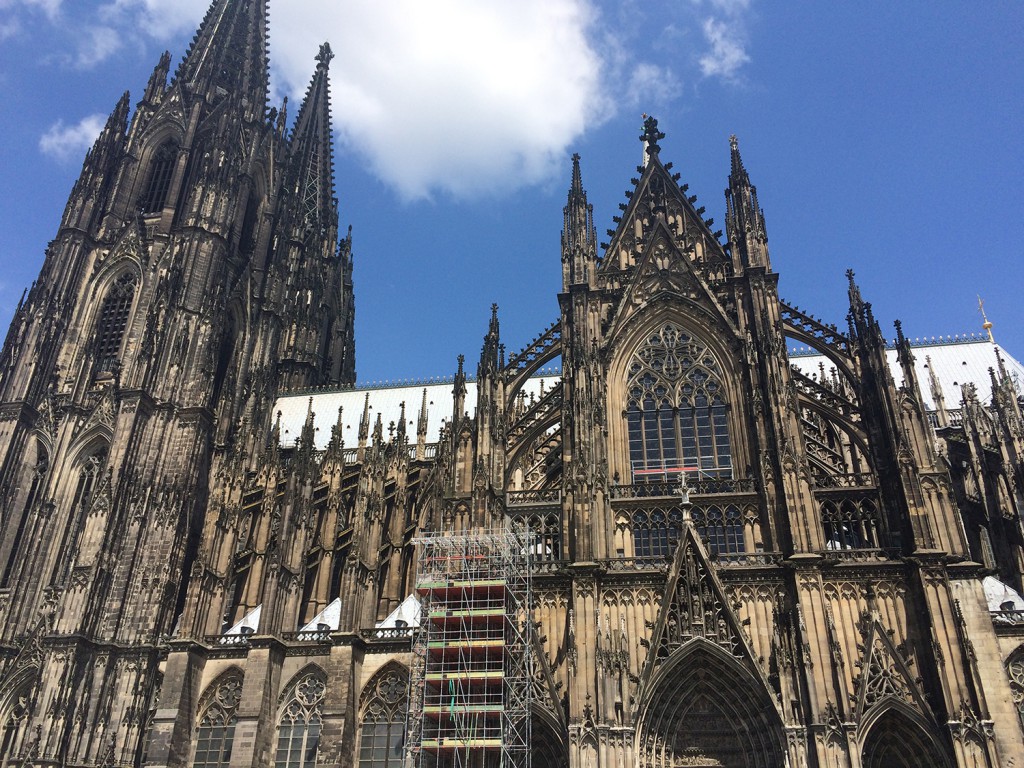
x=657, y=197
x=884, y=672
x=695, y=606
x=666, y=272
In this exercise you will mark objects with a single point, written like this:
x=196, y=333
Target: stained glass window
x=382, y=738
x=216, y=732
x=676, y=413
x=299, y=731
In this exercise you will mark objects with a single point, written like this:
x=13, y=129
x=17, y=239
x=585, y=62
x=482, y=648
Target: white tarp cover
x=248, y=624
x=408, y=612
x=329, y=617
x=1001, y=597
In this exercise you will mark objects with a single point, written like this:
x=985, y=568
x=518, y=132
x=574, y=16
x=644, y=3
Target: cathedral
x=656, y=535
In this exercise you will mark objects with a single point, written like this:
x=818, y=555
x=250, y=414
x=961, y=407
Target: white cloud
x=67, y=142
x=459, y=96
x=731, y=7
x=727, y=52
x=9, y=28
x=454, y=95
x=12, y=25
x=157, y=18
x=50, y=7
x=96, y=44
x=652, y=86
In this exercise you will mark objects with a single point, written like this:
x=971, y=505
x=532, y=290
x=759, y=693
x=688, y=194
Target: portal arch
x=897, y=736
x=705, y=708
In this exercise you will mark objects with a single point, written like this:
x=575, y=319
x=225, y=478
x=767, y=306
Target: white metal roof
x=955, y=363
x=386, y=402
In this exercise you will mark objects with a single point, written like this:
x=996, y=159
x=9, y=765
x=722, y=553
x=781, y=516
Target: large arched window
x=158, y=182
x=382, y=737
x=215, y=733
x=676, y=409
x=113, y=322
x=299, y=731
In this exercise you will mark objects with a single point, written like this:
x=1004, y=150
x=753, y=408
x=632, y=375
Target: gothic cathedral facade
x=734, y=563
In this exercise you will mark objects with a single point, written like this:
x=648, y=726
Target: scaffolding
x=472, y=676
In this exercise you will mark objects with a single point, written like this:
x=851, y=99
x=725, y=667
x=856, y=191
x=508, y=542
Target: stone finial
x=651, y=135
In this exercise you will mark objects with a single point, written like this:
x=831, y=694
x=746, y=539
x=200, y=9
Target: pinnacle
x=651, y=135
x=739, y=173
x=313, y=146
x=325, y=56
x=577, y=176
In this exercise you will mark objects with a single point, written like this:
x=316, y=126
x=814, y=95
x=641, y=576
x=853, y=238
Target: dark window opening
x=158, y=183
x=113, y=322
x=39, y=472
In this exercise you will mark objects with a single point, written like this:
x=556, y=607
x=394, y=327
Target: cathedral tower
x=196, y=274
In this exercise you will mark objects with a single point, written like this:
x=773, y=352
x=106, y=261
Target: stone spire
x=744, y=218
x=579, y=239
x=228, y=55
x=312, y=170
x=90, y=194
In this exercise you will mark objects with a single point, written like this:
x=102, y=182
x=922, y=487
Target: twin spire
x=311, y=143
x=229, y=54
x=229, y=57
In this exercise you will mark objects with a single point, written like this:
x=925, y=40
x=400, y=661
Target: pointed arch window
x=676, y=411
x=215, y=733
x=14, y=718
x=89, y=470
x=37, y=478
x=113, y=322
x=382, y=736
x=850, y=525
x=158, y=182
x=1015, y=670
x=721, y=529
x=298, y=733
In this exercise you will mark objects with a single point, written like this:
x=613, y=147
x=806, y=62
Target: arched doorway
x=900, y=739
x=548, y=742
x=705, y=708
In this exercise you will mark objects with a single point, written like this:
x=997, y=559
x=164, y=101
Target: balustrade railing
x=852, y=480
x=862, y=555
x=227, y=640
x=542, y=496
x=309, y=636
x=1008, y=618
x=387, y=633
x=649, y=563
x=701, y=487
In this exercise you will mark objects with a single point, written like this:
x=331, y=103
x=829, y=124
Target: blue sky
x=882, y=136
